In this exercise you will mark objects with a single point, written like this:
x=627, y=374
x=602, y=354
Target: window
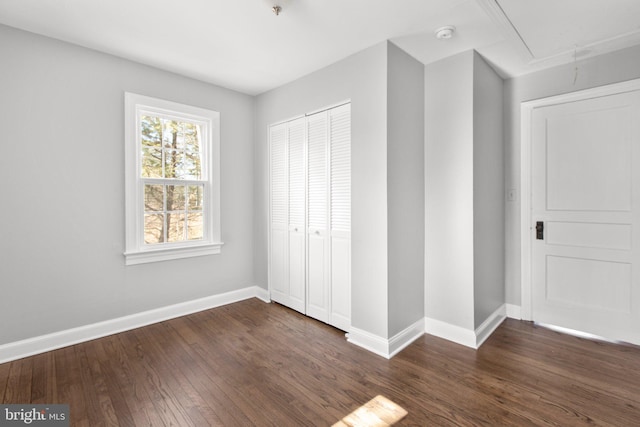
x=172, y=180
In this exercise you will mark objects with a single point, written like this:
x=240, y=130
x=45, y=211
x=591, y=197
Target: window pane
x=175, y=227
x=195, y=197
x=176, y=198
x=153, y=198
x=151, y=162
x=192, y=137
x=153, y=228
x=194, y=231
x=174, y=164
x=180, y=139
x=170, y=134
x=191, y=166
x=150, y=131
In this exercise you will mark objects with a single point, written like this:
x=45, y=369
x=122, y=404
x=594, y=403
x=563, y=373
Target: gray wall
x=362, y=79
x=449, y=190
x=405, y=188
x=464, y=191
x=488, y=194
x=62, y=166
x=614, y=67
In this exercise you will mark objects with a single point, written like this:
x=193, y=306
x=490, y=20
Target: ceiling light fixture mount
x=276, y=9
x=445, y=33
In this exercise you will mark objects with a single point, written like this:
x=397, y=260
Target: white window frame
x=137, y=251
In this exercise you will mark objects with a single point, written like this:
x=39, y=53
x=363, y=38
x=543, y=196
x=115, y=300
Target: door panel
x=317, y=298
x=585, y=158
x=279, y=215
x=297, y=201
x=340, y=217
x=589, y=235
x=340, y=280
x=297, y=269
x=578, y=282
x=589, y=158
x=279, y=273
x=317, y=193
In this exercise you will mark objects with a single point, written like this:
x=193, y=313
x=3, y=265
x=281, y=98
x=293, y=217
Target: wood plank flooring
x=252, y=363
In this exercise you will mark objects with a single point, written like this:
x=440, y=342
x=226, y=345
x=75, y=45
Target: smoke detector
x=445, y=33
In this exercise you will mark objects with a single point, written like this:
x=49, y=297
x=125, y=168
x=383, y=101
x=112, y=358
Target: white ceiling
x=242, y=45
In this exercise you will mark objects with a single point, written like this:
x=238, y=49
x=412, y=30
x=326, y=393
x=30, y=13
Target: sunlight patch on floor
x=378, y=412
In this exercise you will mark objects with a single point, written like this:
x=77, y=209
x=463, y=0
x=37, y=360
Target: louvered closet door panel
x=317, y=215
x=297, y=198
x=279, y=209
x=296, y=173
x=340, y=137
x=340, y=235
x=317, y=187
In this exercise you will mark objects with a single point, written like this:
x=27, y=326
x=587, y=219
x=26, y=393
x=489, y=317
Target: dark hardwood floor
x=252, y=363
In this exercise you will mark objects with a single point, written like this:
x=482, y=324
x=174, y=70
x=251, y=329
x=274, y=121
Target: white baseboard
x=386, y=348
x=262, y=294
x=514, y=311
x=403, y=338
x=369, y=341
x=53, y=341
x=457, y=334
x=467, y=337
x=487, y=327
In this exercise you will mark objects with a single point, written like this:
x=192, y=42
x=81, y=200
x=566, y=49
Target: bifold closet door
x=287, y=247
x=297, y=200
x=317, y=217
x=279, y=241
x=310, y=241
x=329, y=216
x=340, y=216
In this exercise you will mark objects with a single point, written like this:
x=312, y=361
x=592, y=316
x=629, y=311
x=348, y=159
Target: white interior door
x=585, y=183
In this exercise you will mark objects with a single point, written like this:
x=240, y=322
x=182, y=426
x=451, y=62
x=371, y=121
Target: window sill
x=166, y=254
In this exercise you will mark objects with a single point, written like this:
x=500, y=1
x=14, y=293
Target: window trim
x=137, y=252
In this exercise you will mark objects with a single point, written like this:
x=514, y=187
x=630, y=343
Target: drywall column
x=405, y=190
x=449, y=194
x=464, y=233
x=489, y=194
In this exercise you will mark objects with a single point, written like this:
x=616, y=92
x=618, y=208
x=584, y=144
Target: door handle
x=539, y=230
